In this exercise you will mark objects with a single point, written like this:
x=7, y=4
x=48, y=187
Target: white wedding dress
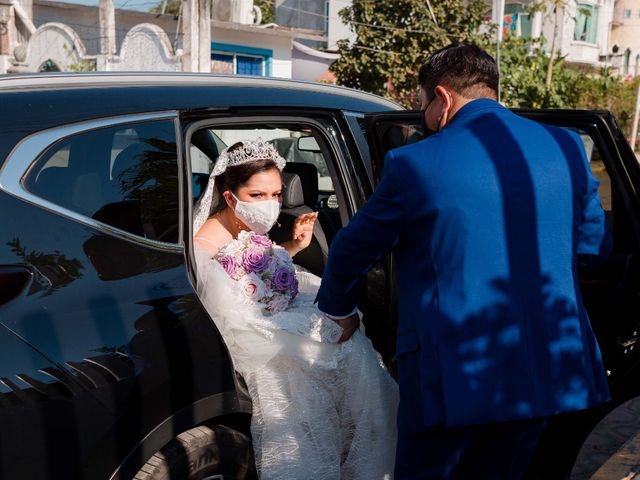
x=321, y=410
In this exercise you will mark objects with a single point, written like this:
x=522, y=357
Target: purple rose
x=254, y=260
x=284, y=279
x=229, y=265
x=260, y=240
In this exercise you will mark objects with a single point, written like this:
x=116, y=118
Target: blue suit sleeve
x=594, y=236
x=370, y=235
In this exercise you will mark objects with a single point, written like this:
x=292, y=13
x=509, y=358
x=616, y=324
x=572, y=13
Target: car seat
x=314, y=257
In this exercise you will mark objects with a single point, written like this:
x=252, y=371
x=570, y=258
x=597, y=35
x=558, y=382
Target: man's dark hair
x=466, y=69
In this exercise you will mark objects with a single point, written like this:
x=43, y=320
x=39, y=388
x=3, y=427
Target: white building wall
x=337, y=29
x=85, y=21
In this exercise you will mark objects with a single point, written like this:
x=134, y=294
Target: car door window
x=598, y=169
x=125, y=176
x=389, y=130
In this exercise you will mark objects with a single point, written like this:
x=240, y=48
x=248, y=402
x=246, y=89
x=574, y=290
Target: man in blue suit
x=486, y=219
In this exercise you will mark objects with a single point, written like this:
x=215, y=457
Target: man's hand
x=349, y=325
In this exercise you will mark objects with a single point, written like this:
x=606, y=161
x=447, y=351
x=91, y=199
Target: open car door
x=611, y=292
x=382, y=132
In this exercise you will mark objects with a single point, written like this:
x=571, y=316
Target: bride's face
x=262, y=186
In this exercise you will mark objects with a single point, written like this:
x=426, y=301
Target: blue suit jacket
x=485, y=220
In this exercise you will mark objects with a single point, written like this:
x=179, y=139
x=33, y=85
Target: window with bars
x=240, y=60
x=237, y=64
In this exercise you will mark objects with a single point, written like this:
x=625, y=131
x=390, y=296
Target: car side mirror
x=308, y=144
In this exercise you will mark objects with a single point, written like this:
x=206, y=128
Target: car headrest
x=292, y=194
x=130, y=156
x=308, y=174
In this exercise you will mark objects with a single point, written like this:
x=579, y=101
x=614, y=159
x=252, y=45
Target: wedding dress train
x=321, y=410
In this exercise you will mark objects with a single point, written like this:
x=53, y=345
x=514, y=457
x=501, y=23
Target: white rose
x=278, y=303
x=233, y=248
x=252, y=287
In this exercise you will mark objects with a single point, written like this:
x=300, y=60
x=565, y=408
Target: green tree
x=524, y=81
x=394, y=38
x=172, y=7
x=604, y=91
x=268, y=10
x=553, y=10
x=524, y=67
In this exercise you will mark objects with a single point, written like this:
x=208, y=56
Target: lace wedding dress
x=321, y=410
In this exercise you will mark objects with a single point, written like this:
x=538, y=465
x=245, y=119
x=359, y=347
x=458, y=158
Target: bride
x=322, y=408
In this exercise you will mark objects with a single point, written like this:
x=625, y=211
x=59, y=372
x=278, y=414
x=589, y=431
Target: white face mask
x=258, y=216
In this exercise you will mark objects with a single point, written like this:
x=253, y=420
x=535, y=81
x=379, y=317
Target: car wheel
x=203, y=453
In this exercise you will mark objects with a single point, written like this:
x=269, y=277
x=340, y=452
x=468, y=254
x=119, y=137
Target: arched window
x=625, y=65
x=49, y=66
x=586, y=28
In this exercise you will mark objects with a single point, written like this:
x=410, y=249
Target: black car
x=110, y=367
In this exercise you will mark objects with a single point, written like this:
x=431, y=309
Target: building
x=316, y=15
x=584, y=27
x=625, y=37
x=41, y=35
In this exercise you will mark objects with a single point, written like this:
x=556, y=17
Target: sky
x=142, y=5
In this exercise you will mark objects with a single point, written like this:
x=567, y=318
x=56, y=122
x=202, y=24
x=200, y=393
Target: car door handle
x=13, y=280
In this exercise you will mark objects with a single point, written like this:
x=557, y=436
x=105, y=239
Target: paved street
x=612, y=451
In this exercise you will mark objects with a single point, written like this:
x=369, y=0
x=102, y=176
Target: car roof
x=108, y=80
x=32, y=102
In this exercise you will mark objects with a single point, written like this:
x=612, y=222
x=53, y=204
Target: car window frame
x=27, y=152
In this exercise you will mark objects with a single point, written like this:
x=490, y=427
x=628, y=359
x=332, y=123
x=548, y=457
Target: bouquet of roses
x=263, y=269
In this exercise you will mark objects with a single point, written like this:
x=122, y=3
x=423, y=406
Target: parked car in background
x=110, y=367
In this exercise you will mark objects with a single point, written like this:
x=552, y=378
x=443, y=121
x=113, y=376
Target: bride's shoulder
x=212, y=236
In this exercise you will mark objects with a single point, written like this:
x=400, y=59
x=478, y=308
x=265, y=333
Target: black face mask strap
x=425, y=128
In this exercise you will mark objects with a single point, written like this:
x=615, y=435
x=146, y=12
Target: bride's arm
x=302, y=233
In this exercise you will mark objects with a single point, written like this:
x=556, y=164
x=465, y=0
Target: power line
x=371, y=25
x=361, y=47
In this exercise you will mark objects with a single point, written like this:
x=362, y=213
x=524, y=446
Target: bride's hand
x=303, y=230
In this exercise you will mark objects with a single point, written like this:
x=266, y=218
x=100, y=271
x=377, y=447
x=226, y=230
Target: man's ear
x=446, y=101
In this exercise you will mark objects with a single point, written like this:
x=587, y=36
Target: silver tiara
x=250, y=151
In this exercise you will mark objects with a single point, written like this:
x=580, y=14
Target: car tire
x=203, y=453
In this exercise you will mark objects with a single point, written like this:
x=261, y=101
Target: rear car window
x=125, y=176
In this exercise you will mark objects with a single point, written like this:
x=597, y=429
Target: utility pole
x=204, y=38
x=107, y=19
x=498, y=18
x=196, y=21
